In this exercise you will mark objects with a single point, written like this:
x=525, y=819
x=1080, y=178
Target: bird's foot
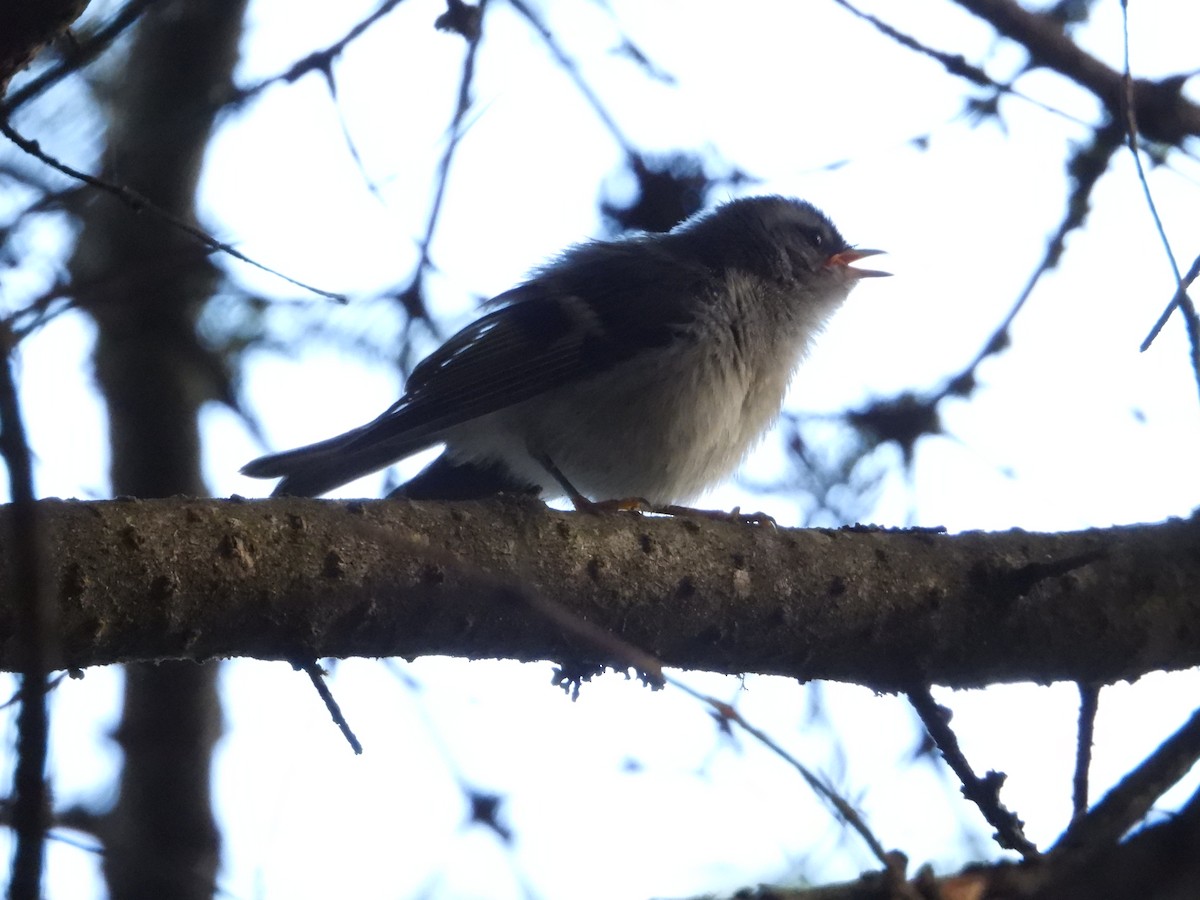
x=718, y=515
x=642, y=505
x=600, y=507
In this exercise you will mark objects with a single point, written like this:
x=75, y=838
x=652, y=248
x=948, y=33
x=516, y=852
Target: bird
x=643, y=367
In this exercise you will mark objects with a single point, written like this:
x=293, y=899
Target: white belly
x=650, y=433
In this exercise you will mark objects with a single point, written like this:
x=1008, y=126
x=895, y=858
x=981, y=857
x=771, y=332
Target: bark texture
x=301, y=579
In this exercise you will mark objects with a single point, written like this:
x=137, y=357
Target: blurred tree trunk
x=145, y=283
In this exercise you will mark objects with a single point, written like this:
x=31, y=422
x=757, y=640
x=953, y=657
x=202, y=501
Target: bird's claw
x=642, y=505
x=720, y=515
x=600, y=507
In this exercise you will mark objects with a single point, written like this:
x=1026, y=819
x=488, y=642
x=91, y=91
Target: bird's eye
x=810, y=235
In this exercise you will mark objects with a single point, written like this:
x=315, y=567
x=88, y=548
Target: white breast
x=653, y=430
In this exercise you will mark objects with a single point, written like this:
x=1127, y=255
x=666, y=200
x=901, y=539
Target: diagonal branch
x=83, y=53
x=1127, y=803
x=139, y=203
x=983, y=792
x=319, y=60
x=1163, y=112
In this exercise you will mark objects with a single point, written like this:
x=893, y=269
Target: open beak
x=846, y=257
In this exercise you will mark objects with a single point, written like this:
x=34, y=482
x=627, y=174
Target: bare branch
x=726, y=713
x=612, y=646
x=317, y=675
x=983, y=792
x=1086, y=168
x=318, y=60
x=572, y=69
x=295, y=579
x=1184, y=284
x=954, y=63
x=139, y=203
x=1162, y=111
x=1127, y=803
x=1089, y=705
x=1181, y=300
x=412, y=297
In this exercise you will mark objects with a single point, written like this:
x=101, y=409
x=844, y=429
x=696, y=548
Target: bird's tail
x=312, y=470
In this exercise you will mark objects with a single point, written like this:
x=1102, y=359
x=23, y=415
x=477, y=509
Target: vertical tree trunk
x=161, y=838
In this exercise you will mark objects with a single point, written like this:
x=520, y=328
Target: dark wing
x=638, y=296
x=600, y=304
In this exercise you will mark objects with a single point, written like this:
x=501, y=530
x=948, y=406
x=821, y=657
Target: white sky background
x=629, y=793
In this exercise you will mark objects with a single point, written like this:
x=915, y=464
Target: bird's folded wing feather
x=544, y=335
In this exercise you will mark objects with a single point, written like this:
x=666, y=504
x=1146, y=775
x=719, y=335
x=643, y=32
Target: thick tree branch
x=301, y=579
x=1158, y=862
x=1163, y=113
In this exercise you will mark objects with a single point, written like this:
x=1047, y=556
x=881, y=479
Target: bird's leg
x=640, y=504
x=582, y=503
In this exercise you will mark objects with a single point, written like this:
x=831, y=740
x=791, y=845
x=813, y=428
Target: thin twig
x=33, y=634
x=954, y=63
x=614, y=647
x=412, y=297
x=1049, y=46
x=572, y=69
x=318, y=60
x=317, y=675
x=17, y=696
x=1176, y=299
x=455, y=134
x=650, y=666
x=351, y=144
x=983, y=792
x=1180, y=300
x=138, y=203
x=822, y=790
x=1127, y=803
x=1089, y=705
x=1086, y=168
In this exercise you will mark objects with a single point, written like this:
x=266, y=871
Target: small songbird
x=644, y=367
